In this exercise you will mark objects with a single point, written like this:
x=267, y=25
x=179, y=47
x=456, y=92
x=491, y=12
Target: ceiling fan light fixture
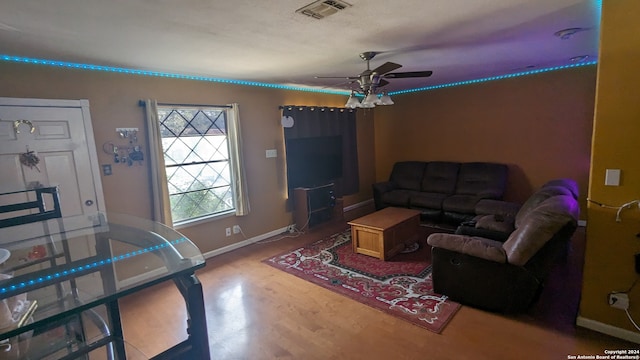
x=367, y=105
x=385, y=99
x=369, y=100
x=352, y=102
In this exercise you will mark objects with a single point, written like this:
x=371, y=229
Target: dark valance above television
x=313, y=161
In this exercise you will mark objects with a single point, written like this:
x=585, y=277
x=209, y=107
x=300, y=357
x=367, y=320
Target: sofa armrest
x=379, y=189
x=490, y=194
x=496, y=216
x=384, y=186
x=475, y=246
x=473, y=231
x=505, y=225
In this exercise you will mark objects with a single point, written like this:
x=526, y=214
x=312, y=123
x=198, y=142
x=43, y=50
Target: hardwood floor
x=255, y=311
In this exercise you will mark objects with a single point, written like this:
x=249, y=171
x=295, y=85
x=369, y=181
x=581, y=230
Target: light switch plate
x=612, y=177
x=271, y=153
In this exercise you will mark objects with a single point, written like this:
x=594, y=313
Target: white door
x=60, y=135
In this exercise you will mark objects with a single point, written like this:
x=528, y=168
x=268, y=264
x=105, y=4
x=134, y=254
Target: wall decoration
x=17, y=123
x=30, y=159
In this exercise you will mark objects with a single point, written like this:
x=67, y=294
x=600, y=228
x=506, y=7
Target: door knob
x=88, y=202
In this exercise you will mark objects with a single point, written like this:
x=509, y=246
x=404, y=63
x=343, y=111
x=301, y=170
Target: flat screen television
x=313, y=161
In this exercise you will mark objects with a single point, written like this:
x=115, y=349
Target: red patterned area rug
x=400, y=286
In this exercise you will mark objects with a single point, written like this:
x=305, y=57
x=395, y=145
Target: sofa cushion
x=398, y=198
x=487, y=180
x=408, y=174
x=539, y=226
x=440, y=177
x=465, y=204
x=428, y=200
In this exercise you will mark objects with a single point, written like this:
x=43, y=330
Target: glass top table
x=61, y=279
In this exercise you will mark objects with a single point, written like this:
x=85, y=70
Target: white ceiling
x=267, y=41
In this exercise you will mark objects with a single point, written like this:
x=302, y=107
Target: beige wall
x=540, y=125
x=114, y=99
x=611, y=245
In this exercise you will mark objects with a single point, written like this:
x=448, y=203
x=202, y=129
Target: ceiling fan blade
x=386, y=67
x=409, y=74
x=337, y=77
x=340, y=84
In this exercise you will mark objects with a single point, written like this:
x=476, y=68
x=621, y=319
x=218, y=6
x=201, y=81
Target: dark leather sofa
x=443, y=191
x=507, y=276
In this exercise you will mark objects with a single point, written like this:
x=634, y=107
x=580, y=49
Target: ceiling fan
x=370, y=80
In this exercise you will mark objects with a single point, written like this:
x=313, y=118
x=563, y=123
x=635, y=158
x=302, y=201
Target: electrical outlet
x=619, y=301
x=228, y=231
x=236, y=229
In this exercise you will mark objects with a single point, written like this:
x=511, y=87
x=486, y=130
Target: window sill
x=203, y=220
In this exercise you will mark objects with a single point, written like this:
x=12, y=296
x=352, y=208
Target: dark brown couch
x=507, y=276
x=443, y=191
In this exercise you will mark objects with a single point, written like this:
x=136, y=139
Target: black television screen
x=313, y=161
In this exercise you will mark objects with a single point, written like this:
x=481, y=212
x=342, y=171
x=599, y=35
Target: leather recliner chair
x=506, y=276
x=497, y=219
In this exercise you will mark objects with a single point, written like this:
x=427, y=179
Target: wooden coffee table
x=385, y=233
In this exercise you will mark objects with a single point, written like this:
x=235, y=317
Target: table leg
x=191, y=289
x=113, y=309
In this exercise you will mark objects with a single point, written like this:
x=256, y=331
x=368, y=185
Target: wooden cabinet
x=315, y=205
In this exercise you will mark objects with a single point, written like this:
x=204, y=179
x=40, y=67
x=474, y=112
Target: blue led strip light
x=87, y=267
x=19, y=59
x=598, y=5
x=65, y=64
x=499, y=77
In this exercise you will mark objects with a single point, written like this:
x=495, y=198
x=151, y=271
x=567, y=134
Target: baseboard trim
x=608, y=329
x=161, y=270
x=358, y=205
x=281, y=230
x=139, y=278
x=238, y=245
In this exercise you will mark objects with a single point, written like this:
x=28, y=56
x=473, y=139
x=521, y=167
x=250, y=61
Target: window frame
x=169, y=109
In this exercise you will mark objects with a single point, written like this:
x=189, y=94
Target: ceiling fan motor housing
x=370, y=80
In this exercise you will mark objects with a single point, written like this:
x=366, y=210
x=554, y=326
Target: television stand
x=315, y=205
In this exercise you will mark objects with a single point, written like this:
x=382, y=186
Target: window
x=197, y=164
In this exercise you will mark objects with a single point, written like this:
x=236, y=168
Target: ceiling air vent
x=323, y=8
